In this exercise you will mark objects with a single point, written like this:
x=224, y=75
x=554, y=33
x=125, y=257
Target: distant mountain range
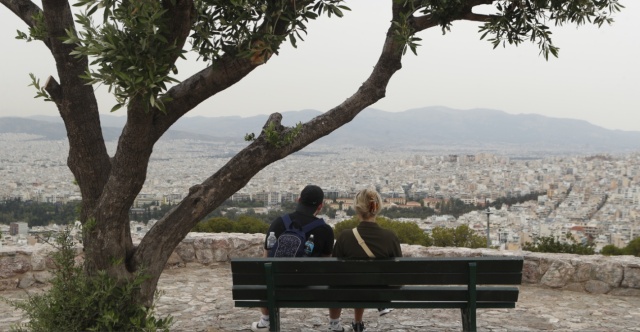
x=416, y=129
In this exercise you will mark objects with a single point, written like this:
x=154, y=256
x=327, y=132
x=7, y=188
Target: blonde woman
x=378, y=243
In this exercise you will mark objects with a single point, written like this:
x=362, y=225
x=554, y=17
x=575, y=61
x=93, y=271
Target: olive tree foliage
x=132, y=46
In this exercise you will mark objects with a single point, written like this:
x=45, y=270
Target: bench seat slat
x=385, y=304
x=402, y=293
x=382, y=278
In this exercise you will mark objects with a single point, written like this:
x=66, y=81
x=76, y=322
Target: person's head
x=368, y=204
x=311, y=198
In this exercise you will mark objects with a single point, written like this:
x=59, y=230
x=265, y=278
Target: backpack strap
x=286, y=220
x=310, y=226
x=306, y=229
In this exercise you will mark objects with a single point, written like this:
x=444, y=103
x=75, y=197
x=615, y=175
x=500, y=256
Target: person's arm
x=337, y=248
x=398, y=248
x=328, y=243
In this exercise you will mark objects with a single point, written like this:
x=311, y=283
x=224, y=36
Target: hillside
x=424, y=128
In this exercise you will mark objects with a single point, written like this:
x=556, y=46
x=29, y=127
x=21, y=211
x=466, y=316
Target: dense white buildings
x=585, y=196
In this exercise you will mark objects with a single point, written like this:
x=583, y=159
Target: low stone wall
x=24, y=267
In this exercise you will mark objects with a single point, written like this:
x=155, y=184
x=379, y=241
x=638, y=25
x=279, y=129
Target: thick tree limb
x=88, y=158
x=185, y=96
x=208, y=195
x=223, y=73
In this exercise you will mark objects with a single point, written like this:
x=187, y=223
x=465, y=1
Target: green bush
x=407, y=232
x=551, y=245
x=633, y=248
x=461, y=236
x=243, y=224
x=345, y=224
x=611, y=250
x=78, y=302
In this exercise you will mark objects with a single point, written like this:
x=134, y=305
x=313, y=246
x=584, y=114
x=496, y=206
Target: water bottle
x=271, y=240
x=308, y=246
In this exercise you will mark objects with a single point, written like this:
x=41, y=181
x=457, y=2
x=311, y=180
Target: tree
x=461, y=236
x=133, y=50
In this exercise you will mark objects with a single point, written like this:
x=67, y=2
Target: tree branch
x=88, y=157
x=185, y=96
x=234, y=175
x=223, y=73
x=420, y=23
x=477, y=17
x=54, y=90
x=25, y=10
x=179, y=25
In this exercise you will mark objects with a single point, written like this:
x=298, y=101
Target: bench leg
x=274, y=319
x=468, y=319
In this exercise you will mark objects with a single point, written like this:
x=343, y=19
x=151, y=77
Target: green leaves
x=517, y=21
x=513, y=22
x=276, y=137
x=41, y=92
x=405, y=34
x=129, y=52
x=79, y=302
x=233, y=27
x=38, y=32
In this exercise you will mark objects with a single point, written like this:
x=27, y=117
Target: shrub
x=345, y=224
x=633, y=248
x=243, y=224
x=461, y=236
x=551, y=245
x=407, y=232
x=611, y=250
x=78, y=302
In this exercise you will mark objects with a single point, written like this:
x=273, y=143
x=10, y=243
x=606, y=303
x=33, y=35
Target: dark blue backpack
x=291, y=242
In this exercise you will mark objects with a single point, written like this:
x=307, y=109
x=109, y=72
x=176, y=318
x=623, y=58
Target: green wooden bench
x=467, y=283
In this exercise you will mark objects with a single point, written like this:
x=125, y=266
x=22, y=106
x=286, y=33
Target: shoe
x=336, y=327
x=358, y=327
x=262, y=325
x=384, y=311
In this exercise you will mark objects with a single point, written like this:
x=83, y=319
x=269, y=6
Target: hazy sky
x=596, y=78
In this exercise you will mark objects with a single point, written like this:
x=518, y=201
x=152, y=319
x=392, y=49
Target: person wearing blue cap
x=309, y=205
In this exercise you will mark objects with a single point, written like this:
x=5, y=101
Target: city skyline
x=594, y=79
x=595, y=195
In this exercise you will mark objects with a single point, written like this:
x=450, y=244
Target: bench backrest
x=379, y=272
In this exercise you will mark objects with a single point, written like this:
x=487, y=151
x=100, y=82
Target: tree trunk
x=109, y=186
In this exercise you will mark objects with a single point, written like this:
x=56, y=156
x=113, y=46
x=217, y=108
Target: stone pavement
x=199, y=299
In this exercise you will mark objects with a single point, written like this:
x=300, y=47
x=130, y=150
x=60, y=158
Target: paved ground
x=199, y=299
